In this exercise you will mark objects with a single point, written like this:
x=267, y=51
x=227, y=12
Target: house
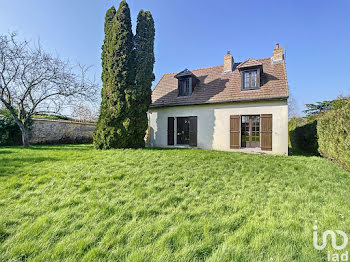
x=233, y=107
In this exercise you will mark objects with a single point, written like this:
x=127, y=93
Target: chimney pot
x=277, y=45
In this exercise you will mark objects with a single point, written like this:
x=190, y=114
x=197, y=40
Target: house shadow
x=266, y=77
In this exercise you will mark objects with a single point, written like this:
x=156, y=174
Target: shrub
x=333, y=134
x=10, y=134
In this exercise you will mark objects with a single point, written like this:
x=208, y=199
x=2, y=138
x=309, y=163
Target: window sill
x=250, y=89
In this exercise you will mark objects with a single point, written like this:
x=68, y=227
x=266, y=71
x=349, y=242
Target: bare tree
x=85, y=112
x=292, y=106
x=34, y=81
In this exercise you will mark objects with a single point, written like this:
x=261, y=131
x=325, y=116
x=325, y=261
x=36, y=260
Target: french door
x=250, y=131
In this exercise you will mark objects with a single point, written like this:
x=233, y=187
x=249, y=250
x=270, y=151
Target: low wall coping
x=64, y=121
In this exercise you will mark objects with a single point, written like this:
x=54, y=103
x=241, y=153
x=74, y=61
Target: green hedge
x=10, y=134
x=303, y=135
x=53, y=117
x=334, y=134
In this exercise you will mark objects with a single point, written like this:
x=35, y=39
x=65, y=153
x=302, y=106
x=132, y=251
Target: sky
x=198, y=33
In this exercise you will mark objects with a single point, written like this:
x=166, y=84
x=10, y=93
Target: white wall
x=214, y=123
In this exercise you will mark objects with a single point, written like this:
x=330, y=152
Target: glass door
x=250, y=131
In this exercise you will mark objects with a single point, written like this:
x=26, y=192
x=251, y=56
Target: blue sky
x=194, y=34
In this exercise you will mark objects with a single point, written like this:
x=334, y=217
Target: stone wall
x=45, y=131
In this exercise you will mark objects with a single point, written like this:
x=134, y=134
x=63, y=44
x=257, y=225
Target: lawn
x=73, y=203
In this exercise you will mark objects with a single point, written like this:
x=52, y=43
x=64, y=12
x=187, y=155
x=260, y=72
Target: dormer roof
x=250, y=63
x=185, y=73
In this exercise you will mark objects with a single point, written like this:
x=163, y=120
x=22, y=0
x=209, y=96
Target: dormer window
x=250, y=70
x=187, y=81
x=250, y=79
x=184, y=87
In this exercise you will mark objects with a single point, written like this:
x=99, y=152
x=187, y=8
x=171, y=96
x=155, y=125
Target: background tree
x=34, y=81
x=292, y=106
x=319, y=107
x=144, y=46
x=116, y=120
x=85, y=112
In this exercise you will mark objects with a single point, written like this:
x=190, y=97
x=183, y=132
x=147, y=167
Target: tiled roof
x=215, y=86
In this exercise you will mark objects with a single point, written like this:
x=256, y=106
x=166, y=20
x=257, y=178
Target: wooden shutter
x=170, y=131
x=234, y=131
x=193, y=131
x=266, y=132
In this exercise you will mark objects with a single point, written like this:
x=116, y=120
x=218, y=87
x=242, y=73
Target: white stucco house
x=233, y=107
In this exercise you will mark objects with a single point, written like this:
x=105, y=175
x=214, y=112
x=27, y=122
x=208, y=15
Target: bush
x=303, y=135
x=10, y=134
x=333, y=134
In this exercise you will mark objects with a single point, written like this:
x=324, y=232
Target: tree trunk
x=25, y=133
x=25, y=137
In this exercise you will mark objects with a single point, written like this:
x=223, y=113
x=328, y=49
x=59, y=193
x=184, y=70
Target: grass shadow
x=297, y=152
x=81, y=147
x=163, y=149
x=16, y=163
x=31, y=159
x=5, y=152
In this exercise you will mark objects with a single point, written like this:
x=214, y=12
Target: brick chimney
x=278, y=53
x=228, y=62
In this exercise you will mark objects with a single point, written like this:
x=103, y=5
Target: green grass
x=73, y=203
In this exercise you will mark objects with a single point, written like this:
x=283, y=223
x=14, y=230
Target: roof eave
x=222, y=101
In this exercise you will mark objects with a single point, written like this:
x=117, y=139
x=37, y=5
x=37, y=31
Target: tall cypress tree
x=144, y=47
x=118, y=77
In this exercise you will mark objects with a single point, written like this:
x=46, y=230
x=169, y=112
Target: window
x=184, y=87
x=250, y=80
